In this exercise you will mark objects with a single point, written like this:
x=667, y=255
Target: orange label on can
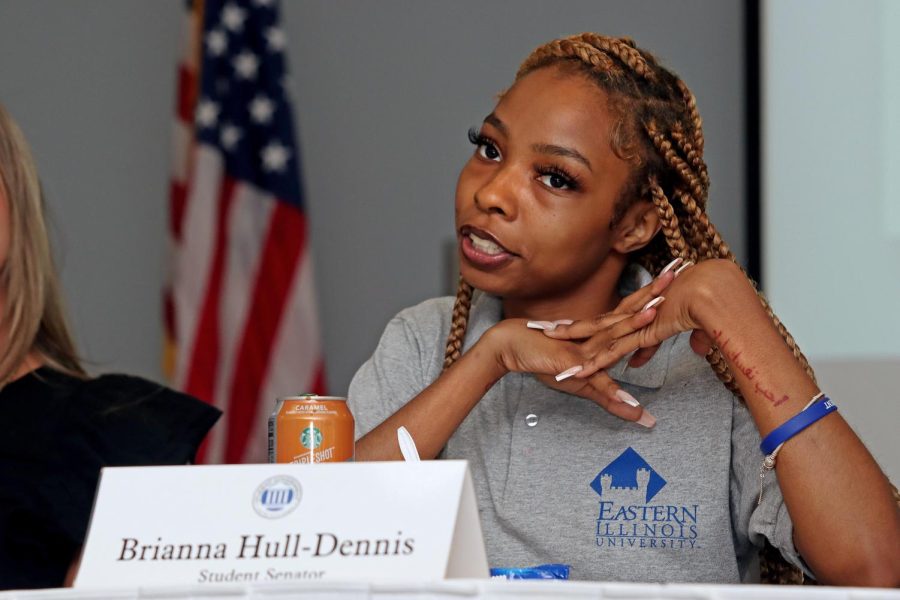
x=311, y=430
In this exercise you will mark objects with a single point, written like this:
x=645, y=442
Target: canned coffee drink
x=310, y=429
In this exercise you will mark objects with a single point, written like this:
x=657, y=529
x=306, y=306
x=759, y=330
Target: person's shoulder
x=427, y=311
x=433, y=316
x=427, y=319
x=120, y=388
x=140, y=421
x=117, y=391
x=48, y=383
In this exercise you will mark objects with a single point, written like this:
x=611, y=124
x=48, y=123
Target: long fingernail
x=670, y=266
x=568, y=372
x=655, y=302
x=627, y=398
x=683, y=267
x=545, y=325
x=647, y=420
x=563, y=322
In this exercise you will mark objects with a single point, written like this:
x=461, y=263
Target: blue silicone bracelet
x=796, y=424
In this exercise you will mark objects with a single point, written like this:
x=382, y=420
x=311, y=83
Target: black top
x=57, y=432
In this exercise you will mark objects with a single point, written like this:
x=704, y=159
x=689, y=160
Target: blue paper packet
x=553, y=571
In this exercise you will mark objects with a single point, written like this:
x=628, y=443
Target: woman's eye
x=557, y=182
x=488, y=151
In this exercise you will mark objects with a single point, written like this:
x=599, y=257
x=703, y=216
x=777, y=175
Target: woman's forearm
x=435, y=414
x=846, y=524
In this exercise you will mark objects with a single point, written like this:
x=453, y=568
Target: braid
x=698, y=230
x=458, y=323
x=568, y=48
x=690, y=103
x=665, y=148
x=595, y=51
x=719, y=249
x=669, y=220
x=693, y=156
x=624, y=49
x=720, y=367
x=694, y=233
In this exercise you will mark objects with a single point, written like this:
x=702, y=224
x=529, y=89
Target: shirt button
x=531, y=420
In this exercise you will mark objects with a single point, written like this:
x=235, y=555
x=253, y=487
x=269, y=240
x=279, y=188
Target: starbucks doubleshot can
x=310, y=429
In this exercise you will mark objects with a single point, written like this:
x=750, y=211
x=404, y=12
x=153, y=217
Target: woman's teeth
x=486, y=246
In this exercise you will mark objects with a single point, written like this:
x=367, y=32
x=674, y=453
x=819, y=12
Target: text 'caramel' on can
x=310, y=429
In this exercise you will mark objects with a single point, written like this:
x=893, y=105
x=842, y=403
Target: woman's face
x=535, y=202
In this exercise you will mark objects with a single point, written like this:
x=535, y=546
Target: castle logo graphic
x=628, y=477
x=627, y=518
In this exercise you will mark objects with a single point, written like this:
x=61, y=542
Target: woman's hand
x=691, y=301
x=597, y=336
x=683, y=308
x=519, y=348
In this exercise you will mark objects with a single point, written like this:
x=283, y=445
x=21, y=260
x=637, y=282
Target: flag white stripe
x=193, y=265
x=188, y=59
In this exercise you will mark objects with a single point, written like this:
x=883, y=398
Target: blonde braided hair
x=660, y=131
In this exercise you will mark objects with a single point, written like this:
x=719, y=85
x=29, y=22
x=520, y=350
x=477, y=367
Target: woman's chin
x=493, y=283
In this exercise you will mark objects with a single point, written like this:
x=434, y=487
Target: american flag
x=241, y=316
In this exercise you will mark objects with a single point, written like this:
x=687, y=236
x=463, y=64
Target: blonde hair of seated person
x=33, y=327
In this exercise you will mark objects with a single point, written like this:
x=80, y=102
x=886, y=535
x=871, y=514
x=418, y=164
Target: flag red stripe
x=186, y=94
x=200, y=457
x=202, y=368
x=284, y=244
x=177, y=205
x=318, y=385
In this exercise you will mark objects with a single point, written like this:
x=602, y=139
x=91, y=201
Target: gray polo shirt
x=560, y=480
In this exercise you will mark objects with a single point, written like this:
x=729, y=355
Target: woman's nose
x=498, y=195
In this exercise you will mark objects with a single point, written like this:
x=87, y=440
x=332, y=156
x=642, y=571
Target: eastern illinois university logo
x=628, y=517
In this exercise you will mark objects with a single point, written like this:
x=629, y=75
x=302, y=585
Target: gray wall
x=384, y=94
x=832, y=201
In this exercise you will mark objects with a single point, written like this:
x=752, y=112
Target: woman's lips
x=481, y=249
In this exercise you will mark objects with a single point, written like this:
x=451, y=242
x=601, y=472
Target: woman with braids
x=573, y=376
x=61, y=426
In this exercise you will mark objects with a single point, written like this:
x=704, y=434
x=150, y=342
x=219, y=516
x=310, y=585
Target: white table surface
x=464, y=589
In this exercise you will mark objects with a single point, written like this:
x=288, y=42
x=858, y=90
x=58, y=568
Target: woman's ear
x=636, y=227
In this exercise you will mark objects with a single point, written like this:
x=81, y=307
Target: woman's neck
x=598, y=294
x=31, y=363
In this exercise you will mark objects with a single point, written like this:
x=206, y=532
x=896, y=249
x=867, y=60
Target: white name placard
x=388, y=521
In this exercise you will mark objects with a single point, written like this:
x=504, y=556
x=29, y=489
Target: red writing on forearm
x=748, y=371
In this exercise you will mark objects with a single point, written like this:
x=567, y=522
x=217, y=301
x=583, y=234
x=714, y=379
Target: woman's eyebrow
x=493, y=120
x=562, y=151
